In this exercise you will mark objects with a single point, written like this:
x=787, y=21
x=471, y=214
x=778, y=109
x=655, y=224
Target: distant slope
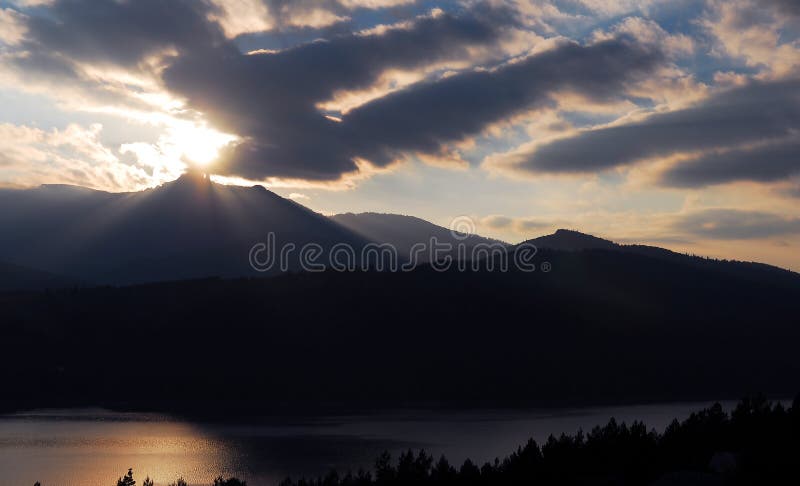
x=405, y=231
x=188, y=228
x=15, y=277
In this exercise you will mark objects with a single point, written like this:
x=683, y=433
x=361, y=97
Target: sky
x=666, y=122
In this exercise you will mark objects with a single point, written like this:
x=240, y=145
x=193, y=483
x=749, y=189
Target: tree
x=127, y=480
x=219, y=481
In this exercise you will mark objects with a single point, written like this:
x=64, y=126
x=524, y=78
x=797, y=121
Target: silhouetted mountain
x=568, y=240
x=405, y=231
x=599, y=326
x=188, y=228
x=15, y=277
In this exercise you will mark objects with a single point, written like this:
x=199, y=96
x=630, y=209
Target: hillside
x=600, y=326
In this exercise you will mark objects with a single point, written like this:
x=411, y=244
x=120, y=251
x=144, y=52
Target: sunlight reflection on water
x=94, y=447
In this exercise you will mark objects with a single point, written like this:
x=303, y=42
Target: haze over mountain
x=406, y=231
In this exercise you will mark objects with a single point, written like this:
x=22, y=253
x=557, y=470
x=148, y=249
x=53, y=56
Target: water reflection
x=94, y=447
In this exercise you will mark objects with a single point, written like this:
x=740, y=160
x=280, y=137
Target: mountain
x=403, y=232
x=189, y=228
x=569, y=240
x=15, y=277
x=599, y=327
x=574, y=241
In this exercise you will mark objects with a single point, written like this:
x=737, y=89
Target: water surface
x=93, y=447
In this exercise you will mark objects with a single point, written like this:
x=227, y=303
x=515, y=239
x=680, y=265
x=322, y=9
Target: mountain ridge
x=195, y=228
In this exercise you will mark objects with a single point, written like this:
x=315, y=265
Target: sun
x=198, y=144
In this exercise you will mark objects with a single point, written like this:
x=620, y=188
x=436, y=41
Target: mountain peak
x=571, y=240
x=193, y=177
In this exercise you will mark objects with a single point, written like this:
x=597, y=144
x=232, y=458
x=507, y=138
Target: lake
x=92, y=447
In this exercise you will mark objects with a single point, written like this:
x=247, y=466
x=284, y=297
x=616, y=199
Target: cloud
x=106, y=55
x=786, y=7
x=12, y=26
x=760, y=112
x=254, y=16
x=762, y=33
x=74, y=155
x=428, y=87
x=735, y=224
x=122, y=33
x=270, y=99
x=522, y=226
x=770, y=162
x=496, y=221
x=649, y=32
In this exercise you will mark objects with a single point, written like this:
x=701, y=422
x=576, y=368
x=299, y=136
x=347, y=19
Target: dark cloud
x=768, y=163
x=64, y=37
x=734, y=224
x=121, y=32
x=758, y=112
x=270, y=99
x=786, y=7
x=423, y=117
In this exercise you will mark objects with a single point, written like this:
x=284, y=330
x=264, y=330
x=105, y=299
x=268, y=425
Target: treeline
x=758, y=443
x=127, y=480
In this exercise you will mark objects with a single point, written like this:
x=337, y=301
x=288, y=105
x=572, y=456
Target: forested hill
x=600, y=326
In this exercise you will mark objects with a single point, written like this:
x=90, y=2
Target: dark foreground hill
x=600, y=326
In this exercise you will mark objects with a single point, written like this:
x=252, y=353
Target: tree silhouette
x=220, y=481
x=763, y=439
x=127, y=480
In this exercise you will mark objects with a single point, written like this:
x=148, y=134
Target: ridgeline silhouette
x=57, y=236
x=188, y=228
